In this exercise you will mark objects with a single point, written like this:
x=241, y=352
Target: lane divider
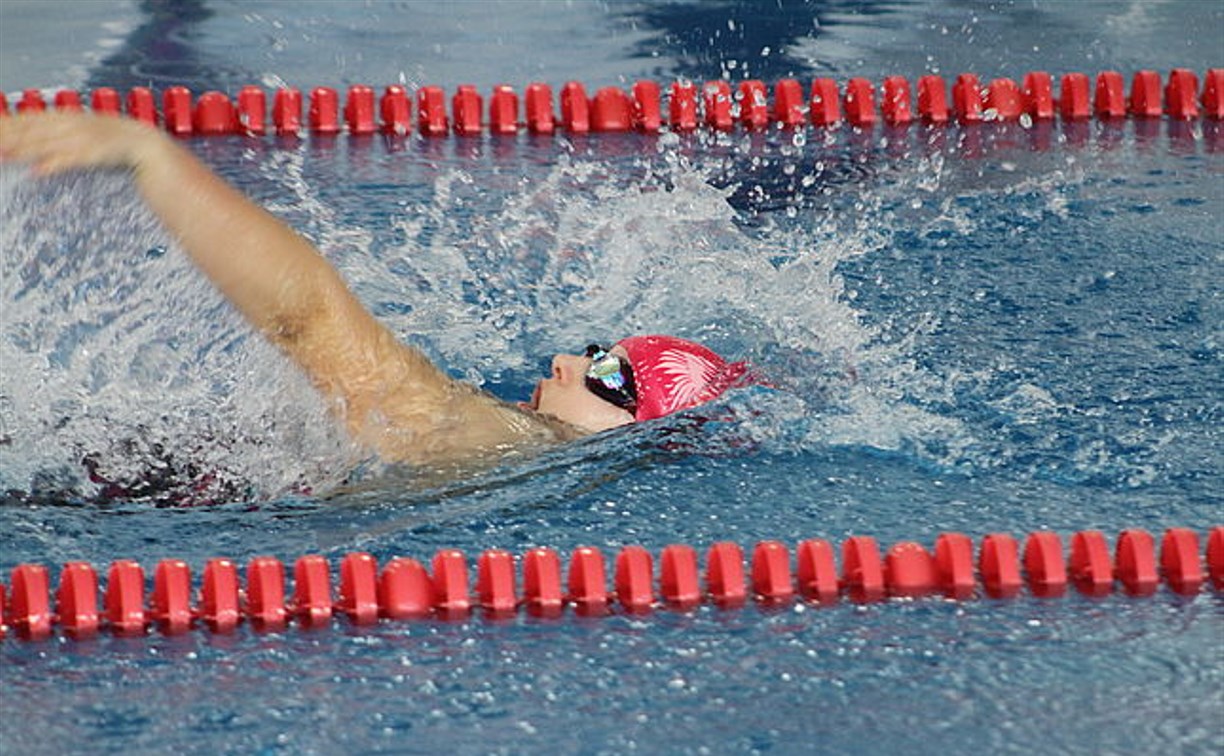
x=405, y=590
x=716, y=105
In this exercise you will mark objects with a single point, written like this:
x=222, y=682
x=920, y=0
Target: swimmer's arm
x=275, y=277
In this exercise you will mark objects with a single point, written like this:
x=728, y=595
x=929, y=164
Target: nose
x=568, y=367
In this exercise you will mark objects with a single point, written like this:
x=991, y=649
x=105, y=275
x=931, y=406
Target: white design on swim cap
x=686, y=376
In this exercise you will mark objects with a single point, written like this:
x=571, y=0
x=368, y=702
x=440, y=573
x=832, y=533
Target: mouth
x=534, y=404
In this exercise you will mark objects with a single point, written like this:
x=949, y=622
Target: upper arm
x=391, y=396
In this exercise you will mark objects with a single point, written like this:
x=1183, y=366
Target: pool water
x=966, y=329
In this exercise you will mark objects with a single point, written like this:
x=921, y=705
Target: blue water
x=979, y=330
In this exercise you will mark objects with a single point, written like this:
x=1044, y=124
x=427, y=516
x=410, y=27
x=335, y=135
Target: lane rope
x=405, y=590
x=684, y=107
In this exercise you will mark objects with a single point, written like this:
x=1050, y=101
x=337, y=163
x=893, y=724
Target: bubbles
x=124, y=370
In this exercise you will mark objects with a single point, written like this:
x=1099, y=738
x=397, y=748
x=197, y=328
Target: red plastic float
x=999, y=565
x=359, y=588
x=495, y=582
x=824, y=103
x=1213, y=94
x=324, y=115
x=611, y=110
x=860, y=103
x=909, y=570
x=141, y=106
x=467, y=107
x=170, y=604
x=287, y=111
x=450, y=583
x=539, y=106
x=219, y=606
x=725, y=574
x=252, y=111
x=1090, y=569
x=862, y=569
x=1181, y=92
x=68, y=99
x=1145, y=99
x=634, y=579
x=1135, y=562
x=1073, y=97
x=542, y=581
x=214, y=114
x=575, y=109
x=176, y=111
x=404, y=589
x=932, y=99
x=31, y=102
x=1003, y=100
x=1179, y=559
x=431, y=112
x=771, y=571
x=359, y=110
x=125, y=610
x=1037, y=93
x=1110, y=101
x=788, y=103
x=312, y=600
x=30, y=606
x=896, y=105
x=3, y=112
x=817, y=572
x=647, y=113
x=716, y=100
x=265, y=593
x=682, y=106
x=1215, y=557
x=1044, y=564
x=503, y=110
x=753, y=104
x=967, y=98
x=76, y=600
x=588, y=587
x=395, y=110
x=954, y=565
x=678, y=581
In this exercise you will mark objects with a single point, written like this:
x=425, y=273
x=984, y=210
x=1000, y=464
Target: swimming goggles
x=610, y=377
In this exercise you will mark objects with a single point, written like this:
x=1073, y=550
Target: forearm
x=271, y=274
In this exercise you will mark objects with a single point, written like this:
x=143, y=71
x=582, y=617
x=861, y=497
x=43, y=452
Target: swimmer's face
x=566, y=397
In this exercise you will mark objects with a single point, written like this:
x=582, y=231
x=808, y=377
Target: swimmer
x=390, y=397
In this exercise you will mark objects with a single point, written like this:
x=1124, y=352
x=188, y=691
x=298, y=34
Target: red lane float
x=359, y=588
x=634, y=579
x=359, y=110
x=76, y=600
x=718, y=106
x=771, y=573
x=219, y=604
x=1037, y=93
x=647, y=113
x=817, y=573
x=495, y=582
x=896, y=103
x=396, y=111
x=170, y=604
x=678, y=580
x=405, y=590
x=682, y=106
x=542, y=582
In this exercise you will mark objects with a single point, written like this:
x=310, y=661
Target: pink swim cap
x=673, y=374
